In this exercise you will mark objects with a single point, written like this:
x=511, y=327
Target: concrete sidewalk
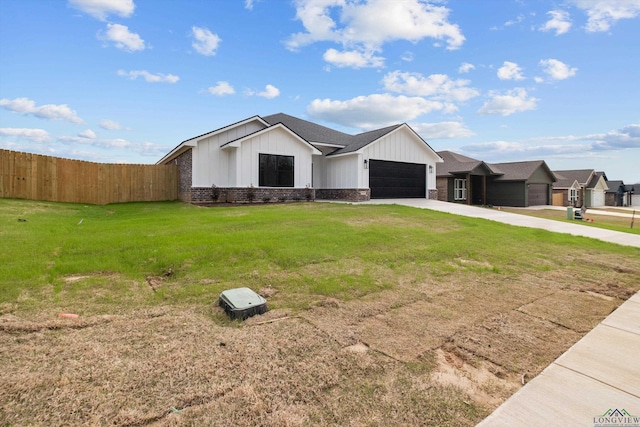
x=599, y=375
x=576, y=229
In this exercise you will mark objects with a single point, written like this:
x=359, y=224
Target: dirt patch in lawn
x=436, y=351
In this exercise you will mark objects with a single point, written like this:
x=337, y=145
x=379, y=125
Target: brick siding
x=348, y=194
x=205, y=195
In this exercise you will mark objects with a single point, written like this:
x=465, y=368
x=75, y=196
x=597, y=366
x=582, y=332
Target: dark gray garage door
x=538, y=194
x=396, y=180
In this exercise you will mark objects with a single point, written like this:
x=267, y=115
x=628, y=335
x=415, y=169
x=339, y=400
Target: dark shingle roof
x=310, y=131
x=567, y=177
x=614, y=186
x=457, y=163
x=315, y=133
x=594, y=179
x=519, y=171
x=514, y=171
x=360, y=140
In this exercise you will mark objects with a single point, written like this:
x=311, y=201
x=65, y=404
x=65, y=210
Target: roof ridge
x=397, y=125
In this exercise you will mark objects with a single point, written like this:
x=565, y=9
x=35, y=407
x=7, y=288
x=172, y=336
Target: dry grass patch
x=174, y=366
x=580, y=312
x=514, y=341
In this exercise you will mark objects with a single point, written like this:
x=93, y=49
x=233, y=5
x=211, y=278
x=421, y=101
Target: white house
x=284, y=157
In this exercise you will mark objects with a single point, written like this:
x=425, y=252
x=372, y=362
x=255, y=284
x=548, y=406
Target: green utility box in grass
x=569, y=212
x=241, y=303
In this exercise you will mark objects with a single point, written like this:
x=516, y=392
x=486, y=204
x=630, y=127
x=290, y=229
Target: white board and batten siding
x=341, y=172
x=399, y=146
x=214, y=166
x=276, y=142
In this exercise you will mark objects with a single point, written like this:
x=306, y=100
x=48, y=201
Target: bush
x=215, y=193
x=251, y=194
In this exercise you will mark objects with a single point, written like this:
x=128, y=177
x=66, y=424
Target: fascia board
x=236, y=143
x=438, y=159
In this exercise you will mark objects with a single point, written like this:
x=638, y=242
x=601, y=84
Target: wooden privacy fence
x=36, y=177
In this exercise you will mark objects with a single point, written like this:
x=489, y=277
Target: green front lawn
x=379, y=315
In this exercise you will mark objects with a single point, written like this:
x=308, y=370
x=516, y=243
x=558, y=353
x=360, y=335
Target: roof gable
x=192, y=142
x=362, y=140
x=597, y=181
x=237, y=142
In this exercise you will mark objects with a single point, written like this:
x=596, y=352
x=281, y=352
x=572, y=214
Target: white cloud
x=465, y=67
x=626, y=137
x=150, y=78
x=115, y=146
x=373, y=111
x=269, y=92
x=438, y=86
x=367, y=26
x=605, y=13
x=569, y=146
x=511, y=22
x=205, y=42
x=513, y=101
x=35, y=135
x=353, y=59
x=556, y=70
x=560, y=22
x=49, y=111
x=89, y=134
x=110, y=125
x=221, y=88
x=102, y=143
x=248, y=4
x=122, y=38
x=442, y=130
x=510, y=71
x=407, y=56
x=100, y=9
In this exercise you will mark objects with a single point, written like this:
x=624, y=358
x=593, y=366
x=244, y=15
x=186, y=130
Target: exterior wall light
x=366, y=164
x=430, y=169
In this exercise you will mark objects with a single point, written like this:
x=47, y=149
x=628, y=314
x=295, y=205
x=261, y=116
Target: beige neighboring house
x=578, y=188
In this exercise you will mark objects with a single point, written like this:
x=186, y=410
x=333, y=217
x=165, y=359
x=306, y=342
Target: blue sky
x=497, y=80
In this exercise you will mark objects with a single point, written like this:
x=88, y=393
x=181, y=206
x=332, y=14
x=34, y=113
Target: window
x=276, y=171
x=460, y=189
x=573, y=195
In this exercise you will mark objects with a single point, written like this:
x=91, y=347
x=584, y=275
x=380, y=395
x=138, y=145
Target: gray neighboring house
x=620, y=194
x=462, y=179
x=580, y=187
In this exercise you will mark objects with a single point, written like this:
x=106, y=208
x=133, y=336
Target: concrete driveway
x=576, y=229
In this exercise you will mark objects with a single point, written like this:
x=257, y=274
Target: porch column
x=484, y=189
x=469, y=195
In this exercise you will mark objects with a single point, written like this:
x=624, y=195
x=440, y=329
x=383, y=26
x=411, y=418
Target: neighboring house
x=284, y=157
x=619, y=194
x=582, y=187
x=462, y=179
